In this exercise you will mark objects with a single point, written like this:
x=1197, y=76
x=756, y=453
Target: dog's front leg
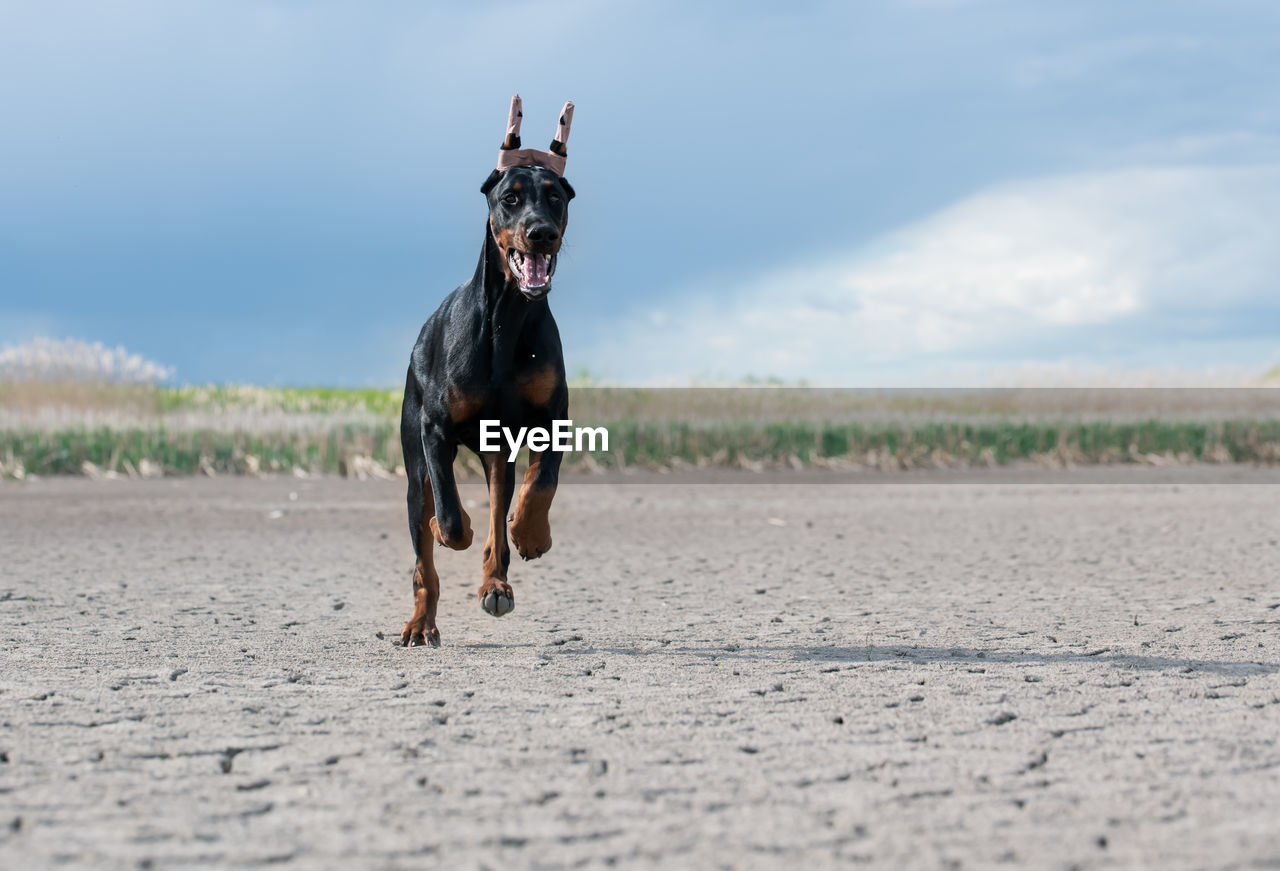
x=496, y=596
x=531, y=524
x=450, y=526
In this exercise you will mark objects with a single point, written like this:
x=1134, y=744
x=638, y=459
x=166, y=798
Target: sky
x=892, y=193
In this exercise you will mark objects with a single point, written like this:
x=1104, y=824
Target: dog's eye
x=553, y=197
x=511, y=200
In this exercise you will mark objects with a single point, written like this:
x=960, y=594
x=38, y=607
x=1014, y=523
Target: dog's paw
x=415, y=636
x=460, y=540
x=497, y=598
x=532, y=538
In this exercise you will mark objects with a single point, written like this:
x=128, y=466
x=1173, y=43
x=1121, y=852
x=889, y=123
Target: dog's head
x=528, y=214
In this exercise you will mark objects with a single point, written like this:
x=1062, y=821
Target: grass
x=252, y=430
x=311, y=400
x=348, y=449
x=65, y=452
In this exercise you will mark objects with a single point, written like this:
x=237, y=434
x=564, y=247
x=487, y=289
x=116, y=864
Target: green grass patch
x=349, y=448
x=290, y=400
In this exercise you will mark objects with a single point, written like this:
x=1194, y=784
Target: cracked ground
x=766, y=671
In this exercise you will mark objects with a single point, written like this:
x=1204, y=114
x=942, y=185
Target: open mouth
x=532, y=271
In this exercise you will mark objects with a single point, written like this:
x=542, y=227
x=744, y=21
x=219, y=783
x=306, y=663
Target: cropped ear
x=568, y=188
x=491, y=181
x=562, y=130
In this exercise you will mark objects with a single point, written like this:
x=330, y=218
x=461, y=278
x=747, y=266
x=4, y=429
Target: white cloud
x=1020, y=273
x=45, y=359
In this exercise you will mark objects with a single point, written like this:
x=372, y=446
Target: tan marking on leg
x=495, y=546
x=463, y=406
x=454, y=544
x=537, y=387
x=426, y=583
x=465, y=541
x=531, y=523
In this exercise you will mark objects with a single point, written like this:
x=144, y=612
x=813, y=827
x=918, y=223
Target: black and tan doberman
x=491, y=351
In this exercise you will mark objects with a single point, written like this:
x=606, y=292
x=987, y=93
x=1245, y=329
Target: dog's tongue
x=535, y=270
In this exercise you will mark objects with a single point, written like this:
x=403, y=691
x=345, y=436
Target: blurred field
x=89, y=428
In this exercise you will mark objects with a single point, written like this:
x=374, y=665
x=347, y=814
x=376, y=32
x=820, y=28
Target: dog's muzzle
x=532, y=271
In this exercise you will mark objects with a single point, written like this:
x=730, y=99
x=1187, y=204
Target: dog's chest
x=536, y=383
x=532, y=385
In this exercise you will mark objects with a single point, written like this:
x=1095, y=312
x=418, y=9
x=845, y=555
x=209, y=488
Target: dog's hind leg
x=496, y=595
x=421, y=628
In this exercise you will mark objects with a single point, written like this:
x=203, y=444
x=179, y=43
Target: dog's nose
x=542, y=233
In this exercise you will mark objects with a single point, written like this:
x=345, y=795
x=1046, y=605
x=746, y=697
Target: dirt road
x=755, y=673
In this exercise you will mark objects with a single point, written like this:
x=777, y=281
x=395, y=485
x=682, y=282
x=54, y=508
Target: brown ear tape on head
x=511, y=154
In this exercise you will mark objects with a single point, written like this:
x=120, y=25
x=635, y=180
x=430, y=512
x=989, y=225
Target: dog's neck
x=505, y=308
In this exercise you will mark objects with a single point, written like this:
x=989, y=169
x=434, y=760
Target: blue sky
x=909, y=191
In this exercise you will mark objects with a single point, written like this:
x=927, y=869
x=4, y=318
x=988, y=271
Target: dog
x=491, y=351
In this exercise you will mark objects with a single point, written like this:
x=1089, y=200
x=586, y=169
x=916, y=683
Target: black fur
x=485, y=337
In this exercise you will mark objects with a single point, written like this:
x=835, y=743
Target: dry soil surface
x=751, y=672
